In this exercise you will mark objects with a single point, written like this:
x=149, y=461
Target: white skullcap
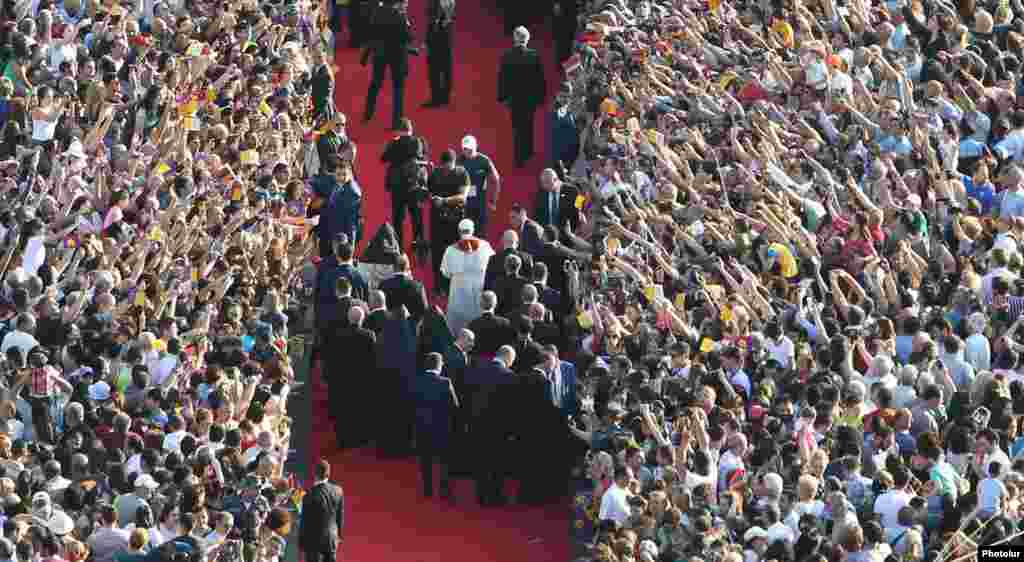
x=466, y=225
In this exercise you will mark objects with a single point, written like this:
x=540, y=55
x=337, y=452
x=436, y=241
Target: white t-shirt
x=889, y=504
x=615, y=505
x=990, y=493
x=172, y=441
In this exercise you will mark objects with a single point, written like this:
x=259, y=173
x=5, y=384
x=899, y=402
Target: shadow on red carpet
x=388, y=519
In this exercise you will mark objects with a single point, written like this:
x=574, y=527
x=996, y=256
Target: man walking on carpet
x=522, y=87
x=465, y=263
x=323, y=518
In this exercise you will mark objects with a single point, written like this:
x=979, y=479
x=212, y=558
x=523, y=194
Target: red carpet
x=388, y=520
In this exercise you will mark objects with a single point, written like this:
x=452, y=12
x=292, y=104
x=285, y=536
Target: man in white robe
x=465, y=263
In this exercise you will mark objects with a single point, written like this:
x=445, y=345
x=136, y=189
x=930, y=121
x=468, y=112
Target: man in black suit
x=490, y=406
x=491, y=331
x=565, y=24
x=496, y=265
x=402, y=289
x=550, y=298
x=531, y=233
x=510, y=286
x=349, y=390
x=456, y=363
x=405, y=179
x=555, y=202
x=538, y=431
x=528, y=351
x=440, y=18
x=323, y=517
x=522, y=87
x=377, y=313
x=390, y=43
x=435, y=405
x=545, y=331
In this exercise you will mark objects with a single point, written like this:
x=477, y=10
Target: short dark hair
x=405, y=124
x=343, y=285
x=323, y=469
x=621, y=471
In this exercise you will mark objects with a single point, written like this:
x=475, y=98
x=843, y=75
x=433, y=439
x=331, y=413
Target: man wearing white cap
x=465, y=263
x=482, y=175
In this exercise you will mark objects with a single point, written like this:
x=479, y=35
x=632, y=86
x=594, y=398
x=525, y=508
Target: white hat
x=99, y=391
x=466, y=225
x=469, y=141
x=146, y=481
x=755, y=533
x=40, y=498
x=773, y=482
x=76, y=150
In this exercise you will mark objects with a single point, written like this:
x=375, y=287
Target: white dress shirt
x=615, y=504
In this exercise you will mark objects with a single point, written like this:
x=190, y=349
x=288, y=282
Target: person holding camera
x=406, y=179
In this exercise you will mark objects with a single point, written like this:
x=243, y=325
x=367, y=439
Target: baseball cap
x=469, y=141
x=146, y=481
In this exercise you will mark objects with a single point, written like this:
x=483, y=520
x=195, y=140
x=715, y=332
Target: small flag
x=726, y=314
x=211, y=94
x=680, y=300
x=195, y=49
x=713, y=5
x=250, y=157
x=585, y=320
x=161, y=169
x=265, y=108
x=195, y=274
x=580, y=200
x=706, y=345
x=236, y=192
x=649, y=293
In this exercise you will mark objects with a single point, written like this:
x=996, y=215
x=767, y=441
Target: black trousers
x=399, y=69
x=321, y=556
x=489, y=473
x=428, y=454
x=439, y=64
x=522, y=131
x=41, y=419
x=358, y=22
x=400, y=204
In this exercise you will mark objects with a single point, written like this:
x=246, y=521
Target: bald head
x=537, y=311
x=488, y=301
x=466, y=339
x=529, y=294
x=510, y=240
x=548, y=179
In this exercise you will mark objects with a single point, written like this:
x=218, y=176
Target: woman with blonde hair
x=806, y=502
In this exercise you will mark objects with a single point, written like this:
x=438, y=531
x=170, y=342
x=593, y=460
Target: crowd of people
x=153, y=234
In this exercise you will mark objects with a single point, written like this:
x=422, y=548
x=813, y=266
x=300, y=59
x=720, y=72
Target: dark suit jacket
x=531, y=237
x=435, y=404
x=551, y=299
x=491, y=331
x=323, y=518
x=521, y=81
x=390, y=38
x=350, y=346
x=528, y=355
x=567, y=211
x=487, y=403
x=548, y=333
x=496, y=267
x=510, y=294
x=404, y=290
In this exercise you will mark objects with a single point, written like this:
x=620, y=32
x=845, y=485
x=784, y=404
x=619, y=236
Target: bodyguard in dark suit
x=396, y=370
x=496, y=265
x=401, y=289
x=435, y=404
x=529, y=353
x=378, y=312
x=323, y=518
x=551, y=298
x=531, y=233
x=440, y=18
x=534, y=432
x=390, y=43
x=521, y=87
x=565, y=24
x=491, y=331
x=360, y=17
x=555, y=202
x=405, y=156
x=489, y=404
x=342, y=212
x=350, y=390
x=456, y=364
x=510, y=286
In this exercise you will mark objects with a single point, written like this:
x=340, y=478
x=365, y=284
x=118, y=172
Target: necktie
x=554, y=208
x=556, y=390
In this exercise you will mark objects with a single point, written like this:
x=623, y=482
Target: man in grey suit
x=323, y=517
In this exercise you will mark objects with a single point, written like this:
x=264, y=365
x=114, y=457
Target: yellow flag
x=265, y=108
x=714, y=5
x=140, y=298
x=680, y=300
x=706, y=345
x=195, y=274
x=613, y=244
x=649, y=293
x=580, y=200
x=250, y=157
x=236, y=192
x=211, y=94
x=161, y=169
x=586, y=322
x=726, y=314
